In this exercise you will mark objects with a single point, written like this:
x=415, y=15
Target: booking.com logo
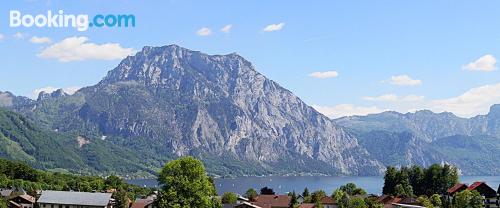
x=60, y=20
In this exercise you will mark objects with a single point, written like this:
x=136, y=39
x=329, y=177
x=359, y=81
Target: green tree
x=121, y=199
x=305, y=193
x=267, y=191
x=293, y=200
x=307, y=196
x=229, y=198
x=390, y=180
x=113, y=182
x=341, y=197
x=404, y=190
x=352, y=189
x=438, y=179
x=357, y=202
x=468, y=199
x=185, y=184
x=372, y=202
x=216, y=202
x=251, y=194
x=348, y=188
x=3, y=202
x=416, y=179
x=436, y=200
x=317, y=196
x=424, y=201
x=318, y=205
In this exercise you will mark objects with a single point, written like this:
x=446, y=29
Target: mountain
x=426, y=124
x=170, y=101
x=9, y=100
x=21, y=139
x=399, y=149
x=426, y=137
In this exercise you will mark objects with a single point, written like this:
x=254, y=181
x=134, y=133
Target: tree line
x=14, y=174
x=430, y=185
x=417, y=181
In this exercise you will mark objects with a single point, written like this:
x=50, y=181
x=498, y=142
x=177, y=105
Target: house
x=22, y=201
x=483, y=189
x=143, y=203
x=242, y=199
x=328, y=202
x=489, y=194
x=456, y=188
x=407, y=205
x=384, y=198
x=273, y=201
x=5, y=193
x=246, y=205
x=409, y=201
x=390, y=201
x=66, y=199
x=307, y=205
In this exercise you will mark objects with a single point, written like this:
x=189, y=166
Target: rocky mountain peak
x=56, y=94
x=182, y=102
x=495, y=110
x=156, y=66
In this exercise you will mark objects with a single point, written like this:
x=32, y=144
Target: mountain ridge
x=173, y=102
x=165, y=102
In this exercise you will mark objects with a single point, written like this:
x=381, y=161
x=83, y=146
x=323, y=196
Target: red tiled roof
x=141, y=203
x=395, y=200
x=483, y=189
x=474, y=185
x=306, y=205
x=457, y=187
x=385, y=198
x=272, y=201
x=327, y=200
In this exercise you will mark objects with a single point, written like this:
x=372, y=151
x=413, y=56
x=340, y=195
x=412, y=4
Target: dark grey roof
x=5, y=192
x=75, y=198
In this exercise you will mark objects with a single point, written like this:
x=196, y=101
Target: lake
x=284, y=184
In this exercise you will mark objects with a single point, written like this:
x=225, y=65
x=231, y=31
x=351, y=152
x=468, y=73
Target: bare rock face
x=184, y=102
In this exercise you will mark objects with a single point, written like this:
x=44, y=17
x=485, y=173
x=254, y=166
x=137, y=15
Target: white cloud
x=78, y=49
x=485, y=63
x=274, y=27
x=473, y=102
x=1, y=36
x=341, y=110
x=395, y=98
x=19, y=35
x=39, y=40
x=404, y=80
x=49, y=89
x=204, y=31
x=227, y=28
x=324, y=75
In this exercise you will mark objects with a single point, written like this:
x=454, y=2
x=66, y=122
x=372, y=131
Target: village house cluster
x=491, y=199
x=18, y=198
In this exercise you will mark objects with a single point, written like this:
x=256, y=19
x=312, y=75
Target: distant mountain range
x=425, y=137
x=169, y=101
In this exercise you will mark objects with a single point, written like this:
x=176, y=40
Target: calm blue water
x=284, y=184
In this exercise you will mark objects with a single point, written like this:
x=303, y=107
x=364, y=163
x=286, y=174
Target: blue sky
x=386, y=55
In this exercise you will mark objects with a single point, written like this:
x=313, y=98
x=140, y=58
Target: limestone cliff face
x=184, y=102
